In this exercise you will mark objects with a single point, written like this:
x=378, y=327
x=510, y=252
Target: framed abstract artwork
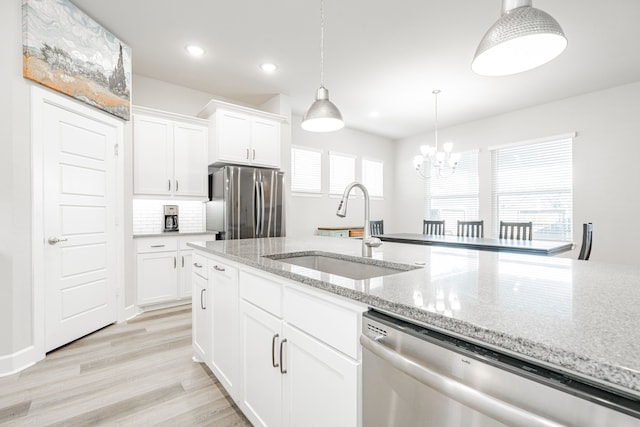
x=65, y=50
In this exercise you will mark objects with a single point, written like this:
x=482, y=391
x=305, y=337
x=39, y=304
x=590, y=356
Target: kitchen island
x=572, y=316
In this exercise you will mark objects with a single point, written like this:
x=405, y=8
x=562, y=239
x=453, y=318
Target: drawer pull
x=182, y=261
x=175, y=262
x=202, y=291
x=197, y=265
x=157, y=246
x=219, y=268
x=273, y=351
x=282, y=370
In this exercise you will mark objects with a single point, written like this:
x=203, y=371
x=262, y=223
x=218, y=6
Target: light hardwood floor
x=137, y=373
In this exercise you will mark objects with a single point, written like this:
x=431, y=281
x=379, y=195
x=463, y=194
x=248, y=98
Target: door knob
x=54, y=240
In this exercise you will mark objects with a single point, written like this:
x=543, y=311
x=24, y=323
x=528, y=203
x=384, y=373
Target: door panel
x=79, y=211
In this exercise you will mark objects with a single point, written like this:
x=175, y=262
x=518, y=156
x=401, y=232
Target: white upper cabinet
x=242, y=135
x=169, y=155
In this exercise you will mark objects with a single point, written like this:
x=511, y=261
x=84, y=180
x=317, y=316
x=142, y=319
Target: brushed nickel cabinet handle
x=254, y=154
x=197, y=265
x=157, y=246
x=247, y=154
x=273, y=351
x=202, y=291
x=219, y=268
x=175, y=262
x=169, y=185
x=177, y=185
x=182, y=261
x=282, y=370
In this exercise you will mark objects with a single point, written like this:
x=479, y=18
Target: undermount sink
x=342, y=265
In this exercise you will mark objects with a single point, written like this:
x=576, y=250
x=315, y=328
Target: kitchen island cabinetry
x=294, y=353
x=169, y=155
x=200, y=309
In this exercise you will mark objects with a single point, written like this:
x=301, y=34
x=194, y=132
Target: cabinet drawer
x=199, y=265
x=261, y=292
x=159, y=244
x=222, y=270
x=334, y=324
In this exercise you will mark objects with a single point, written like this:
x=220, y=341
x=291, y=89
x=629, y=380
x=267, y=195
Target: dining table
x=533, y=247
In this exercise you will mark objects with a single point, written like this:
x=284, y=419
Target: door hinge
x=115, y=149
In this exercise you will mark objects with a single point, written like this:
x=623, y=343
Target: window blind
x=306, y=170
x=373, y=177
x=342, y=172
x=454, y=198
x=533, y=182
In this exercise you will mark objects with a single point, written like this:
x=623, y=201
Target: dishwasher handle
x=468, y=396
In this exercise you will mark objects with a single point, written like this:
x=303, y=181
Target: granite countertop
x=574, y=316
x=173, y=233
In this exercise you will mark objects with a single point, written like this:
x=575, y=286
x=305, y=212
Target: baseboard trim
x=20, y=360
x=131, y=312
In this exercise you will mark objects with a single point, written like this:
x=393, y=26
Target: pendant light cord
x=322, y=43
x=436, y=92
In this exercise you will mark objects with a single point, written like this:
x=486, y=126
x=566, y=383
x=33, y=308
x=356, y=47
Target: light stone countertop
x=174, y=234
x=580, y=317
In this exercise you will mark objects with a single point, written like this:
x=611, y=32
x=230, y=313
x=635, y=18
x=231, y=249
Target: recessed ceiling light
x=194, y=50
x=268, y=67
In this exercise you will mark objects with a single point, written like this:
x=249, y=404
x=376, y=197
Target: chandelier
x=445, y=160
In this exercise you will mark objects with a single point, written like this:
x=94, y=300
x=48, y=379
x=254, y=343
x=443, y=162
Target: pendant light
x=522, y=39
x=440, y=160
x=323, y=115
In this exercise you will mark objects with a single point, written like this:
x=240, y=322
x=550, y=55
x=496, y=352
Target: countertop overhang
x=572, y=316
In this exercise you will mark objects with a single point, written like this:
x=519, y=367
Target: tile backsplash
x=148, y=216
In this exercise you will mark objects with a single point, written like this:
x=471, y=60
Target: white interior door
x=80, y=265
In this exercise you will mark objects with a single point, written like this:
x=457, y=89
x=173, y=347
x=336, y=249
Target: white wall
x=605, y=157
x=307, y=213
x=15, y=191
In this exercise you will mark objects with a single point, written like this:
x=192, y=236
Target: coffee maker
x=171, y=218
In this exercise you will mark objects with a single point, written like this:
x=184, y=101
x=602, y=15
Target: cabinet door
x=157, y=277
x=261, y=394
x=190, y=160
x=265, y=138
x=320, y=386
x=152, y=156
x=185, y=267
x=223, y=283
x=201, y=323
x=233, y=136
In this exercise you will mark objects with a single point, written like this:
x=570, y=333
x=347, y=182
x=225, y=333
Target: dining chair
x=376, y=227
x=587, y=237
x=516, y=230
x=471, y=228
x=433, y=227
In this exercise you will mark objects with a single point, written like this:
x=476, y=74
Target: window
x=533, y=182
x=372, y=177
x=342, y=172
x=454, y=198
x=306, y=175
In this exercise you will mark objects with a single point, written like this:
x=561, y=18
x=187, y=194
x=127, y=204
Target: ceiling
x=380, y=56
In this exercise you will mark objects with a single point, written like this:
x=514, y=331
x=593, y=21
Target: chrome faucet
x=367, y=241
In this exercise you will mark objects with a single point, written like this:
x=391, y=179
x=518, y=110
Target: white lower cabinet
x=286, y=354
x=320, y=386
x=223, y=285
x=289, y=377
x=262, y=381
x=163, y=269
x=201, y=311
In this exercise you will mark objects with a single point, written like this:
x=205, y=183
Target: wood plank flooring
x=137, y=373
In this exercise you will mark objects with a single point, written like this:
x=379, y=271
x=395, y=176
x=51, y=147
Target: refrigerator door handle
x=262, y=212
x=258, y=208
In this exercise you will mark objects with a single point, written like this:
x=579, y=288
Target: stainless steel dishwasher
x=414, y=376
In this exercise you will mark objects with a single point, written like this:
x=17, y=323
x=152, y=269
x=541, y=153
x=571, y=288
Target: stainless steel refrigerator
x=246, y=202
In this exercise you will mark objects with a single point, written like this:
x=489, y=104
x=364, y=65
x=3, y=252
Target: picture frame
x=66, y=50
